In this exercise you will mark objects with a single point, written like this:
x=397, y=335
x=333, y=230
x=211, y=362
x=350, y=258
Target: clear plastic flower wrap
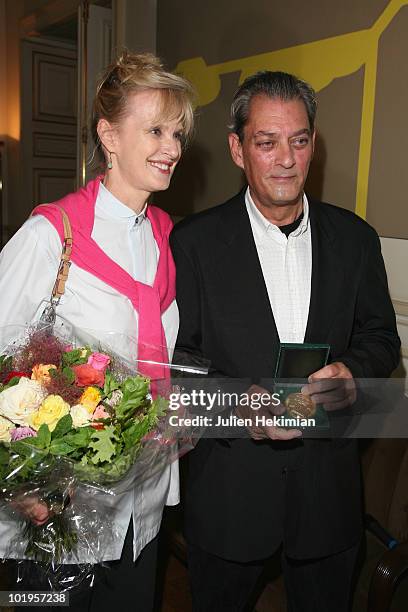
x=80, y=429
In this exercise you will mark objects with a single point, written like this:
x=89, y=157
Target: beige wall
x=315, y=40
x=136, y=24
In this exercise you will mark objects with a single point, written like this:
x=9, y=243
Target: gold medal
x=299, y=405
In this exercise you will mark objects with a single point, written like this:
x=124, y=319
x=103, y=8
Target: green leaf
x=20, y=469
x=108, y=472
x=63, y=426
x=134, y=392
x=26, y=448
x=43, y=437
x=71, y=358
x=4, y=455
x=6, y=362
x=110, y=385
x=136, y=385
x=103, y=443
x=59, y=447
x=135, y=433
x=12, y=382
x=69, y=374
x=79, y=437
x=159, y=406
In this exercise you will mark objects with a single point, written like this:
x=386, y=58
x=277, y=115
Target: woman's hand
x=32, y=508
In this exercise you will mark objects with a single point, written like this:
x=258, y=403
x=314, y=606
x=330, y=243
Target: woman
x=142, y=115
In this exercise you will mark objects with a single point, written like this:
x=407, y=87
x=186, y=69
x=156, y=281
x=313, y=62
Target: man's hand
x=32, y=509
x=333, y=386
x=258, y=432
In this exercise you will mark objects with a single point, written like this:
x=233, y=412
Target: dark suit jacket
x=243, y=499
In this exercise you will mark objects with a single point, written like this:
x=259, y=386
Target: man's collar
x=263, y=225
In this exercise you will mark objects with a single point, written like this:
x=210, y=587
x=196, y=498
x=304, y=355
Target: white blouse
x=28, y=267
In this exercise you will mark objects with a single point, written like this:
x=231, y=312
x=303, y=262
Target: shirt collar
x=261, y=224
x=112, y=207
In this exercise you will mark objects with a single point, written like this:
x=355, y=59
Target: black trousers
x=117, y=585
x=317, y=585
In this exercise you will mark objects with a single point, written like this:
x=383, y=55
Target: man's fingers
x=279, y=433
x=321, y=386
x=277, y=410
x=332, y=406
x=337, y=395
x=330, y=371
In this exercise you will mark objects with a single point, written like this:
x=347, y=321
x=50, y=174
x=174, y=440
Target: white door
x=48, y=120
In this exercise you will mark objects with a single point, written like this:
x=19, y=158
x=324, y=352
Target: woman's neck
x=134, y=199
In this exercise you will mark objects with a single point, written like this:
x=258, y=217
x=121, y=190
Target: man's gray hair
x=280, y=85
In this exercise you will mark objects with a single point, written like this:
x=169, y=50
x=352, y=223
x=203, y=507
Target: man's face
x=276, y=151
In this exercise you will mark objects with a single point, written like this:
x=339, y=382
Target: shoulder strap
x=63, y=268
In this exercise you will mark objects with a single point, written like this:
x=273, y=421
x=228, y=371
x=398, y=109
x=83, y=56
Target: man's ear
x=107, y=135
x=313, y=142
x=236, y=149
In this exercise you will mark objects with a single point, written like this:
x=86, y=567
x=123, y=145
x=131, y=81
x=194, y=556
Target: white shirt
x=286, y=265
x=28, y=268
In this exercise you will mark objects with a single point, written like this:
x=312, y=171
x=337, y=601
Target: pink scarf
x=149, y=302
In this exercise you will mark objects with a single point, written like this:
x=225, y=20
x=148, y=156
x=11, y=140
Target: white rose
x=18, y=402
x=115, y=398
x=5, y=427
x=80, y=416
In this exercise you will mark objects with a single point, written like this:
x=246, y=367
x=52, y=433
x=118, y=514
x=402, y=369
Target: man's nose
x=285, y=155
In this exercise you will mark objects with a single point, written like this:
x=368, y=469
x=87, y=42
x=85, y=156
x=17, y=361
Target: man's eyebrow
x=273, y=134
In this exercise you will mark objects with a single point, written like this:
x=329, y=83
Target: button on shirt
x=28, y=267
x=134, y=230
x=286, y=265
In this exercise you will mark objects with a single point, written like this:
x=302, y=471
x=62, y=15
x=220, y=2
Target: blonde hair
x=131, y=73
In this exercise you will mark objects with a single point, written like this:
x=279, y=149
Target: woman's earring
x=110, y=165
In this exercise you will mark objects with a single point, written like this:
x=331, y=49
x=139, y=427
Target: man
x=271, y=266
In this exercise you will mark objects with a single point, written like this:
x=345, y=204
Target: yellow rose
x=41, y=373
x=50, y=412
x=90, y=398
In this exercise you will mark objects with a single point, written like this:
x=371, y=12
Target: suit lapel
x=236, y=233
x=327, y=275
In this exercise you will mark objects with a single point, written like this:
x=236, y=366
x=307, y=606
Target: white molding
x=401, y=307
x=50, y=42
x=402, y=320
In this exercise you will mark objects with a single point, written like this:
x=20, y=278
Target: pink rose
x=99, y=413
x=99, y=361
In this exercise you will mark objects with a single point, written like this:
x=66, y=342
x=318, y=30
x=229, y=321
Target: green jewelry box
x=295, y=363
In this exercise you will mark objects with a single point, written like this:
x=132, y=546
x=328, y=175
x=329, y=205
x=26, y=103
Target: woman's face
x=145, y=149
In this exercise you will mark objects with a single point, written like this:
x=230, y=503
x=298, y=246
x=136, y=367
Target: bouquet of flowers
x=71, y=418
